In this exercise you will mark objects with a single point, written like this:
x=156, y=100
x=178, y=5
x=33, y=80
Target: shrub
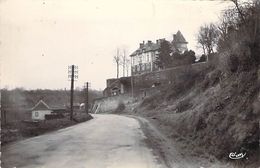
x=186, y=58
x=185, y=80
x=152, y=101
x=120, y=107
x=183, y=105
x=203, y=58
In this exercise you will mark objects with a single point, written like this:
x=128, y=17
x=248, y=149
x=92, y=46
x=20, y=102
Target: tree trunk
x=117, y=69
x=203, y=47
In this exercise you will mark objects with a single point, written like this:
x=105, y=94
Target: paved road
x=107, y=141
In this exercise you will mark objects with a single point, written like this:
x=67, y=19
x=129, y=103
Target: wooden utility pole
x=3, y=105
x=72, y=77
x=86, y=97
x=71, y=92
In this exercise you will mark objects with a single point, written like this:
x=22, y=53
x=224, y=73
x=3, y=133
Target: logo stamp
x=235, y=156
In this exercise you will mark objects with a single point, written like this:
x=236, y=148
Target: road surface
x=107, y=141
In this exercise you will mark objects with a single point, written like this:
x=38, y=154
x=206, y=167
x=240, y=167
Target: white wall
x=182, y=47
x=110, y=104
x=41, y=114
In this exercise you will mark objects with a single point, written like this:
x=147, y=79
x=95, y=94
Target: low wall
x=166, y=76
x=110, y=104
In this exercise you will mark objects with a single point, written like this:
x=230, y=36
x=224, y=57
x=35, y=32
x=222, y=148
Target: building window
x=143, y=67
x=149, y=66
x=36, y=114
x=140, y=59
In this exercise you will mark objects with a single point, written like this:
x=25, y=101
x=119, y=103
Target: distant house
x=143, y=59
x=40, y=110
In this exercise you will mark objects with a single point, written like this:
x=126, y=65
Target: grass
x=20, y=130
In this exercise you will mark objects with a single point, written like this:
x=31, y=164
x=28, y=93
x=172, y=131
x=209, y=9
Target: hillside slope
x=211, y=113
x=217, y=111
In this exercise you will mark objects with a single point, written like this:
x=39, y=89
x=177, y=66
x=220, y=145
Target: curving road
x=107, y=141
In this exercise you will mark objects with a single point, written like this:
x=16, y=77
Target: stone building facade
x=143, y=59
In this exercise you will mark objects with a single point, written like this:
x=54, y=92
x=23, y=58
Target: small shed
x=40, y=110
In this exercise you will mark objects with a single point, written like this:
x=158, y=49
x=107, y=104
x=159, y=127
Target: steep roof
x=41, y=105
x=179, y=38
x=150, y=46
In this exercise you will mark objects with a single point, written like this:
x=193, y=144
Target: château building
x=143, y=59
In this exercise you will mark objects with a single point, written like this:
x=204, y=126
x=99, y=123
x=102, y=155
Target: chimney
x=142, y=45
x=149, y=42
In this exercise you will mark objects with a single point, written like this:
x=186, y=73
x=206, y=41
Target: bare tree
x=225, y=22
x=239, y=10
x=208, y=38
x=239, y=31
x=123, y=61
x=248, y=25
x=227, y=25
x=128, y=65
x=117, y=60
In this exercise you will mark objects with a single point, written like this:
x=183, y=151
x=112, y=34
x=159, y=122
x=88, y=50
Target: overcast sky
x=40, y=38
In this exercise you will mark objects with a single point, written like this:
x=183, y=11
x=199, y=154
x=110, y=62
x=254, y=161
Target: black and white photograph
x=130, y=83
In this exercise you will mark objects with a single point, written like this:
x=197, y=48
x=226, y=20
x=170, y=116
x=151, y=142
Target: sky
x=39, y=39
